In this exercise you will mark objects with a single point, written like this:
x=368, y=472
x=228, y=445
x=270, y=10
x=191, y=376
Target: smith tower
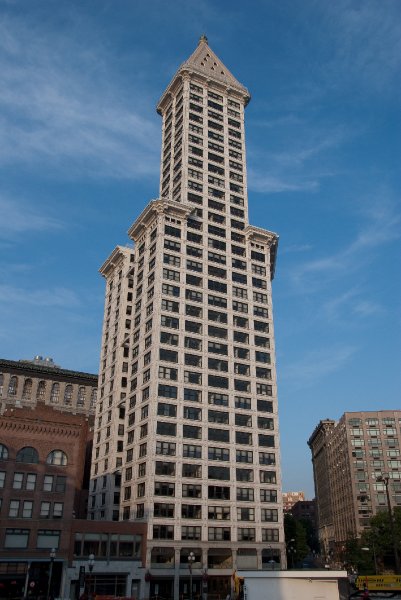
x=187, y=435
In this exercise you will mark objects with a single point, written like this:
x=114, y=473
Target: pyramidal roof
x=205, y=62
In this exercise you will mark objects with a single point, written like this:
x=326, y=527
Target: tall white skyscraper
x=186, y=433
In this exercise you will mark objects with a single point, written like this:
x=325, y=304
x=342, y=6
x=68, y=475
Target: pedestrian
x=365, y=594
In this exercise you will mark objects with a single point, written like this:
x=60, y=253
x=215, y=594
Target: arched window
x=68, y=394
x=12, y=386
x=3, y=452
x=1, y=383
x=57, y=457
x=81, y=396
x=55, y=393
x=27, y=390
x=40, y=394
x=93, y=398
x=27, y=455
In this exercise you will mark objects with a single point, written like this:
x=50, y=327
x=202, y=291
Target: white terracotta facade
x=186, y=432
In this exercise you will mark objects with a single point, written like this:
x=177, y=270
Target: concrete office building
x=349, y=458
x=186, y=429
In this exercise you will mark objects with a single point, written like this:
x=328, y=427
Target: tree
x=295, y=539
x=378, y=538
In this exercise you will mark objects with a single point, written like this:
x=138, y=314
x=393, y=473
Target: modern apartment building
x=186, y=429
x=350, y=457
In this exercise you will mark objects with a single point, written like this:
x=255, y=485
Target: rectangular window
x=218, y=399
x=163, y=510
x=218, y=435
x=13, y=508
x=245, y=494
x=246, y=534
x=268, y=496
x=219, y=534
x=218, y=416
x=166, y=410
x=244, y=474
x=166, y=448
x=191, y=451
x=163, y=532
x=221, y=473
x=16, y=538
x=164, y=468
x=267, y=476
x=192, y=432
x=190, y=470
x=218, y=454
x=162, y=488
x=190, y=533
x=192, y=395
x=18, y=481
x=47, y=539
x=269, y=515
x=166, y=428
x=191, y=490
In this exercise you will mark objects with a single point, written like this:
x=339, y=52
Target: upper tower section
x=203, y=141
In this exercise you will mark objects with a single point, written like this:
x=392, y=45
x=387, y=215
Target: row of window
x=194, y=471
x=19, y=538
x=218, y=513
x=29, y=481
x=244, y=534
x=24, y=509
x=30, y=455
x=55, y=391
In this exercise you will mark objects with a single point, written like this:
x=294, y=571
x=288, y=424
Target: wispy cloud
x=55, y=297
x=350, y=303
x=18, y=217
x=382, y=227
x=316, y=365
x=269, y=183
x=58, y=108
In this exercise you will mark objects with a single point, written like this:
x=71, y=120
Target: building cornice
x=151, y=212
x=269, y=238
x=51, y=372
x=115, y=258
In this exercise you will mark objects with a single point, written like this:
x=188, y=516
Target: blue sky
x=79, y=159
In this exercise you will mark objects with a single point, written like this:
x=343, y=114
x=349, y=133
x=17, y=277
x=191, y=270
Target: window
x=192, y=395
x=170, y=274
x=166, y=448
x=218, y=399
x=27, y=508
x=165, y=468
x=190, y=533
x=192, y=432
x=170, y=306
x=191, y=511
x=218, y=435
x=3, y=452
x=48, y=539
x=172, y=322
x=67, y=394
x=218, y=492
x=246, y=534
x=165, y=373
x=218, y=364
x=166, y=410
x=163, y=510
x=13, y=508
x=191, y=490
x=217, y=472
x=244, y=456
x=270, y=535
x=244, y=474
x=244, y=513
x=243, y=437
x=27, y=455
x=48, y=481
x=267, y=476
x=190, y=470
x=264, y=389
x=218, y=453
x=192, y=377
x=219, y=534
x=265, y=406
x=191, y=451
x=193, y=327
x=163, y=532
x=190, y=412
x=57, y=457
x=269, y=515
x=241, y=402
x=55, y=393
x=164, y=489
x=217, y=416
x=45, y=509
x=167, y=391
x=16, y=538
x=218, y=382
x=170, y=290
x=268, y=496
x=166, y=428
x=245, y=494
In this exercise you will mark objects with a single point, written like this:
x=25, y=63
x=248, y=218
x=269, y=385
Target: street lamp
x=49, y=583
x=384, y=478
x=191, y=560
x=91, y=564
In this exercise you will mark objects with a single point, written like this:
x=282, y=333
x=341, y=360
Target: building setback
x=186, y=429
x=349, y=456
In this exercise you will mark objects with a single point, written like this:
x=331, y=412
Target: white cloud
x=57, y=297
x=269, y=183
x=59, y=108
x=316, y=365
x=17, y=218
x=382, y=227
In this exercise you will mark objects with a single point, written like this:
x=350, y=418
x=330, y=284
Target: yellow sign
x=384, y=583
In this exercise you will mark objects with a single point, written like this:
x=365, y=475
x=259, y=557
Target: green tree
x=295, y=539
x=379, y=539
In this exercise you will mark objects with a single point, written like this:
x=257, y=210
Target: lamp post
x=49, y=583
x=384, y=478
x=91, y=564
x=191, y=560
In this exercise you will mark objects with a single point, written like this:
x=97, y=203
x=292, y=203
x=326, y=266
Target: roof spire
x=203, y=38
